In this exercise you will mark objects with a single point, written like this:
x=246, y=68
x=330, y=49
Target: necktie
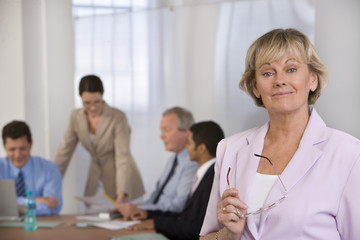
x=193, y=188
x=171, y=173
x=20, y=185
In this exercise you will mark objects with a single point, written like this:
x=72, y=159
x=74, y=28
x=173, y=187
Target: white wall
x=338, y=43
x=36, y=69
x=12, y=92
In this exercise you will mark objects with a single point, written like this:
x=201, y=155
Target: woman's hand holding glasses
x=231, y=212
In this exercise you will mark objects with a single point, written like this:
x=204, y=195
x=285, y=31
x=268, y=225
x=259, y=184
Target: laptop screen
x=8, y=205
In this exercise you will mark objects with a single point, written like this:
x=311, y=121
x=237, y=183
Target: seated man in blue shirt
x=29, y=172
x=202, y=144
x=174, y=184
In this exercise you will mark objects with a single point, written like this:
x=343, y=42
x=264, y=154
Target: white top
x=260, y=190
x=92, y=136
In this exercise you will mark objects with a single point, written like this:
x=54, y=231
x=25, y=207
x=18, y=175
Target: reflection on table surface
x=68, y=230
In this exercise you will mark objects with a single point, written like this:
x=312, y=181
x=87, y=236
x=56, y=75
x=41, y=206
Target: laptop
x=8, y=205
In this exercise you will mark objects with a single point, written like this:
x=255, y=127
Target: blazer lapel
x=84, y=132
x=246, y=166
x=307, y=153
x=303, y=160
x=299, y=165
x=104, y=122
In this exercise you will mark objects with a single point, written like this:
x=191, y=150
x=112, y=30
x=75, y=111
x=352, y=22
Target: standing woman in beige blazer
x=105, y=134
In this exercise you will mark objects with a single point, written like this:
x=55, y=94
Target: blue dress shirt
x=41, y=176
x=178, y=187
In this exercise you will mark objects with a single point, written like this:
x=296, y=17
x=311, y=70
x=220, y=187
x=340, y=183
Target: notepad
x=101, y=217
x=115, y=225
x=110, y=225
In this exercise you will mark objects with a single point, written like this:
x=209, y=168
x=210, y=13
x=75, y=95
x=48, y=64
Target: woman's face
x=93, y=103
x=284, y=85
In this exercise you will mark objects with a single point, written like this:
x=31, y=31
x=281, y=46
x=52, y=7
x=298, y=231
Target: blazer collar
x=84, y=128
x=302, y=161
x=246, y=167
x=104, y=122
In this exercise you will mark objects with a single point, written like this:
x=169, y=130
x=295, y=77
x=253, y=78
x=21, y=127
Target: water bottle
x=30, y=223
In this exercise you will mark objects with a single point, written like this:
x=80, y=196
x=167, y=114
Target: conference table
x=67, y=230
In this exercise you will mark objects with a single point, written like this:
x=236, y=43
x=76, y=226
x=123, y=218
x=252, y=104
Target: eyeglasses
x=268, y=206
x=96, y=103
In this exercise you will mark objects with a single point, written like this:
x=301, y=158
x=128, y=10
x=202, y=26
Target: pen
x=108, y=197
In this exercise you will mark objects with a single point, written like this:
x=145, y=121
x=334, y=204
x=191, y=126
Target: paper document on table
x=98, y=202
x=115, y=225
x=102, y=216
x=95, y=218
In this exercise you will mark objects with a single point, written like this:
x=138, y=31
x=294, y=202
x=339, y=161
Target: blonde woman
x=292, y=178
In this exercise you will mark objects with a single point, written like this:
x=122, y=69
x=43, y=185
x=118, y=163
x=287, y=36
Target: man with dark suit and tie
x=202, y=143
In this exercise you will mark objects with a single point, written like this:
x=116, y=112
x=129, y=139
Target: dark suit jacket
x=187, y=224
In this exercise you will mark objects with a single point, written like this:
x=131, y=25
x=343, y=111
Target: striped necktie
x=20, y=185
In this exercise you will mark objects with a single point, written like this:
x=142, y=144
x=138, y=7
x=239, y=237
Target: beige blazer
x=111, y=160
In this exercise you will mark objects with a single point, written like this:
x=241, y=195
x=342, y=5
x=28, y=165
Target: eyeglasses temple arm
x=261, y=156
x=227, y=177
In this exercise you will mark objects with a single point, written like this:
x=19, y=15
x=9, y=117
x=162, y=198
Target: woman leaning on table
x=105, y=134
x=292, y=178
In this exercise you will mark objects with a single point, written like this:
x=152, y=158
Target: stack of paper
x=98, y=221
x=115, y=225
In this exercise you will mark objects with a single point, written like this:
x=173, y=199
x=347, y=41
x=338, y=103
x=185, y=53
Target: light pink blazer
x=111, y=159
x=322, y=178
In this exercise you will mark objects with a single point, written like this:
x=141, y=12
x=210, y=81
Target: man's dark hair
x=16, y=129
x=91, y=83
x=208, y=133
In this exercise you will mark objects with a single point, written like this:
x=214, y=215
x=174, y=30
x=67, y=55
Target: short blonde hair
x=274, y=45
